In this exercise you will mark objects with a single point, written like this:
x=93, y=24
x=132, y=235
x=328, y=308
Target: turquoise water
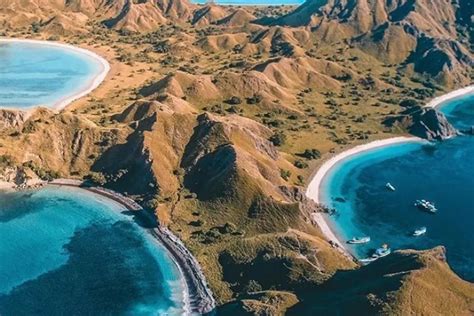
x=253, y=2
x=441, y=172
x=37, y=74
x=67, y=251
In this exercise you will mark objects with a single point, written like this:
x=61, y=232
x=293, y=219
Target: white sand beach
x=314, y=188
x=451, y=95
x=94, y=83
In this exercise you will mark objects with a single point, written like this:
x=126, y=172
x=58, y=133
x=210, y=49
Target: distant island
x=249, y=141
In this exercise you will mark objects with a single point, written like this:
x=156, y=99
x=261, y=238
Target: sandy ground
x=451, y=95
x=6, y=185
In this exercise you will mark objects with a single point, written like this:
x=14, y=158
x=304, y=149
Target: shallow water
x=441, y=172
x=34, y=74
x=68, y=251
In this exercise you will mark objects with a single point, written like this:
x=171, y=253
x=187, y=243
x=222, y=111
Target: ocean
x=33, y=74
x=66, y=251
x=440, y=172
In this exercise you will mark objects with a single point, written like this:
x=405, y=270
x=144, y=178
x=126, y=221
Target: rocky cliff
x=427, y=123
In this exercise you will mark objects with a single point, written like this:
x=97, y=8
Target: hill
x=214, y=118
x=433, y=41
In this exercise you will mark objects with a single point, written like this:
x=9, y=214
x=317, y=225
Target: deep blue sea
x=440, y=172
x=66, y=251
x=34, y=74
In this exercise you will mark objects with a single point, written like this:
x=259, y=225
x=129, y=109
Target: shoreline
x=436, y=102
x=314, y=188
x=92, y=84
x=198, y=297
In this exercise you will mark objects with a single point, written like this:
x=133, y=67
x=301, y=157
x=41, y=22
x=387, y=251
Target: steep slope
x=405, y=283
x=424, y=32
x=77, y=141
x=136, y=16
x=208, y=14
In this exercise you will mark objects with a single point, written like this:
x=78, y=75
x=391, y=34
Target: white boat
x=426, y=206
x=359, y=240
x=420, y=231
x=382, y=251
x=390, y=186
x=367, y=260
x=379, y=253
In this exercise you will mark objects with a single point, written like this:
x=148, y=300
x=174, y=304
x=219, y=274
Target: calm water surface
x=66, y=251
x=441, y=172
x=37, y=74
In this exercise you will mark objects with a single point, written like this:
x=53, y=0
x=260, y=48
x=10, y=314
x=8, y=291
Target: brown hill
x=412, y=32
x=238, y=17
x=208, y=14
x=139, y=17
x=405, y=283
x=136, y=16
x=78, y=141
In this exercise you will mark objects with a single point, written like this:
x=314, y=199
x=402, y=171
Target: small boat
x=382, y=251
x=367, y=260
x=420, y=231
x=359, y=240
x=426, y=206
x=390, y=186
x=379, y=253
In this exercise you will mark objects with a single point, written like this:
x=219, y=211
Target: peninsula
x=220, y=122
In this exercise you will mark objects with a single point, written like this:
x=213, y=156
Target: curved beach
x=448, y=96
x=91, y=85
x=198, y=297
x=315, y=186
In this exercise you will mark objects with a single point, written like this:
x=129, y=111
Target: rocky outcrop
x=297, y=194
x=427, y=123
x=20, y=177
x=11, y=118
x=432, y=125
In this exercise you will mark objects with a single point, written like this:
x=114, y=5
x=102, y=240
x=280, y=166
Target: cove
x=69, y=251
x=440, y=172
x=42, y=73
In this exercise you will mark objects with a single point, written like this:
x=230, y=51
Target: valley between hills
x=215, y=118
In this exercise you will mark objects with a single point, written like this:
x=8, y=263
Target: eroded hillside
x=214, y=118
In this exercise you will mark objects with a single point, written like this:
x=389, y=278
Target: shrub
x=300, y=179
x=234, y=100
x=97, y=178
x=152, y=204
x=300, y=164
x=311, y=154
x=409, y=103
x=285, y=174
x=278, y=139
x=254, y=99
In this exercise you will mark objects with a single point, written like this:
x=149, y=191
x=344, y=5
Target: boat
x=420, y=231
x=382, y=251
x=367, y=260
x=426, y=206
x=390, y=186
x=379, y=253
x=359, y=240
